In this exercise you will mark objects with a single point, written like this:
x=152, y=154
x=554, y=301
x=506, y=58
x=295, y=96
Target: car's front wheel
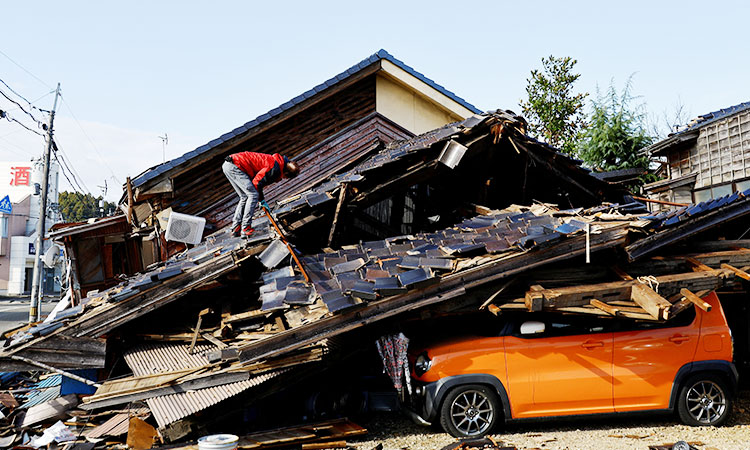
x=704, y=400
x=471, y=410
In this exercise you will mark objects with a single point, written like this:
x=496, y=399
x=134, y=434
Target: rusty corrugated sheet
x=154, y=358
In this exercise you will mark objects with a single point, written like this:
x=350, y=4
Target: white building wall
x=18, y=188
x=20, y=259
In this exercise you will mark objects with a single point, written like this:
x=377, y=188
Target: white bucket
x=218, y=442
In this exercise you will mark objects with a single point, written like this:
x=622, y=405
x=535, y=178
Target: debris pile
x=199, y=340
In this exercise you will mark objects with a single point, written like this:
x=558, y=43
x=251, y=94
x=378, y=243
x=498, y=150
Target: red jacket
x=262, y=168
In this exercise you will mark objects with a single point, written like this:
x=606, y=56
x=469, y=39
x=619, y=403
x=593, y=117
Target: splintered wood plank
x=244, y=316
x=621, y=273
x=134, y=384
x=611, y=310
x=498, y=292
x=697, y=265
x=618, y=291
x=737, y=258
x=699, y=302
x=738, y=272
x=653, y=303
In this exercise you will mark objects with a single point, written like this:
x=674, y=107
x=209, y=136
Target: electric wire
x=96, y=149
x=66, y=177
x=75, y=184
x=20, y=106
x=74, y=173
x=25, y=70
x=13, y=119
x=24, y=98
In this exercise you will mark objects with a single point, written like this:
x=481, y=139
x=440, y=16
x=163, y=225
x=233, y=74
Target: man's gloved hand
x=265, y=205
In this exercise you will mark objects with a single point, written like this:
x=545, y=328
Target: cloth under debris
x=393, y=351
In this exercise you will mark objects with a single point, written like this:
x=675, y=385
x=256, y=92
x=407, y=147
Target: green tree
x=555, y=113
x=616, y=133
x=77, y=207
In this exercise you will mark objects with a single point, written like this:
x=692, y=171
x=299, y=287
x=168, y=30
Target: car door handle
x=679, y=338
x=588, y=345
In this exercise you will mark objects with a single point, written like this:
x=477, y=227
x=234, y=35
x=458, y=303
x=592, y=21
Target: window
x=559, y=325
x=743, y=185
x=702, y=195
x=4, y=227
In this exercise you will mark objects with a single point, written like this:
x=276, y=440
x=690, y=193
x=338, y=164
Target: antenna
x=103, y=188
x=164, y=142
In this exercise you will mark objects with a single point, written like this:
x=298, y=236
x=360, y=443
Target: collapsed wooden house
x=237, y=319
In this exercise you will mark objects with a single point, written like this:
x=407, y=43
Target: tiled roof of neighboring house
x=380, y=55
x=705, y=119
x=689, y=132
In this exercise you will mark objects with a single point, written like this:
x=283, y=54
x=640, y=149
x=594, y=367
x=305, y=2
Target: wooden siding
x=720, y=155
x=203, y=189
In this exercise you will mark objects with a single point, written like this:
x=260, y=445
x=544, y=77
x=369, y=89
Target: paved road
x=14, y=313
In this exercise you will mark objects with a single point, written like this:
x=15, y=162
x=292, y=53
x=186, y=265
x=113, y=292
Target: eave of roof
x=691, y=131
x=263, y=118
x=82, y=227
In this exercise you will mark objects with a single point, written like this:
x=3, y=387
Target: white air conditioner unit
x=185, y=228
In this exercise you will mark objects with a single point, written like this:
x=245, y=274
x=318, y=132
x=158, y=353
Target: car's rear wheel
x=704, y=401
x=471, y=410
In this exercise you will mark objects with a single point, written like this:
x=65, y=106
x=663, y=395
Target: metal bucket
x=218, y=442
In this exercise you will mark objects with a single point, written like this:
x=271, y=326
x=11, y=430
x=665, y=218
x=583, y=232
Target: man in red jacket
x=249, y=173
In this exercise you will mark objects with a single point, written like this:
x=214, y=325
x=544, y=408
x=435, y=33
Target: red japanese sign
x=21, y=176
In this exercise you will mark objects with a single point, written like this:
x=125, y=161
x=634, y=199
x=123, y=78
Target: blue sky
x=131, y=71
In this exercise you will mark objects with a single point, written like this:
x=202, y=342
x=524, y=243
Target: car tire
x=470, y=411
x=704, y=400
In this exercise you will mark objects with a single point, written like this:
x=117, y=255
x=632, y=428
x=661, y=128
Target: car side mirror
x=532, y=327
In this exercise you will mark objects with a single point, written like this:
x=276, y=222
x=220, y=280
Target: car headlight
x=422, y=364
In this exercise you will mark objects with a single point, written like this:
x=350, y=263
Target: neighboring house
x=709, y=158
x=327, y=129
x=18, y=182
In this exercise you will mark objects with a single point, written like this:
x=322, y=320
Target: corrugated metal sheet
x=116, y=425
x=43, y=391
x=154, y=358
x=170, y=408
x=6, y=377
x=376, y=58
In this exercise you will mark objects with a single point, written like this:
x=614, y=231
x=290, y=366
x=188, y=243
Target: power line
x=24, y=98
x=5, y=115
x=25, y=70
x=90, y=140
x=20, y=107
x=73, y=172
x=65, y=166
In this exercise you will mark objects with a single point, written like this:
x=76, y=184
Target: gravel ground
x=396, y=432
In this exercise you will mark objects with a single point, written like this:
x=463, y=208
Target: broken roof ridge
x=380, y=55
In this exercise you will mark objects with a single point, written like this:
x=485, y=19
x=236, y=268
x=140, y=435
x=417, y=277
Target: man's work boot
x=247, y=232
x=236, y=230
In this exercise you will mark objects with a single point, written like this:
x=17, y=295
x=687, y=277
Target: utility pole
x=36, y=288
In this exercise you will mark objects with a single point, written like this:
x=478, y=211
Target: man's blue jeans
x=243, y=185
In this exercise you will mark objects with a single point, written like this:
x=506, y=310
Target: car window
x=560, y=325
x=683, y=319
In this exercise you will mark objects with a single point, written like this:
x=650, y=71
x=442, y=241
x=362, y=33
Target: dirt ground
x=397, y=432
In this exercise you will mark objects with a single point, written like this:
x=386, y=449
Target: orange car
x=539, y=365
